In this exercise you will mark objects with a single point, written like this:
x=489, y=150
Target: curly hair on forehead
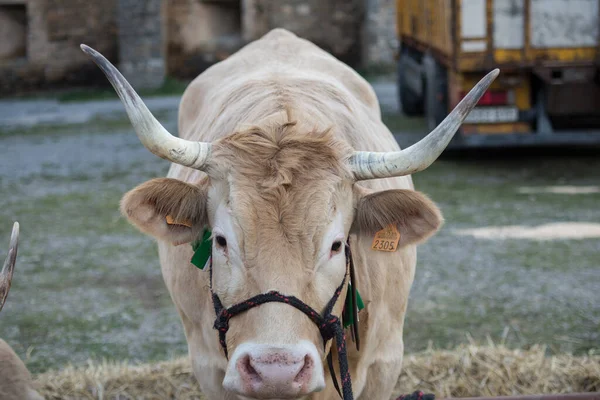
x=283, y=153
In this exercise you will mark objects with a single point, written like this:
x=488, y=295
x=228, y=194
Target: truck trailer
x=548, y=52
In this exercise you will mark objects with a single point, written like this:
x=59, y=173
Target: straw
x=467, y=371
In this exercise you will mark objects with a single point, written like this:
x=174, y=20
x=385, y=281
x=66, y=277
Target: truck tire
x=436, y=92
x=412, y=103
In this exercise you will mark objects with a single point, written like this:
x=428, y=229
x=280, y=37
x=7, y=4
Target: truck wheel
x=412, y=104
x=436, y=92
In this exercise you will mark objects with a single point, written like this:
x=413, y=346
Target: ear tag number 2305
x=386, y=239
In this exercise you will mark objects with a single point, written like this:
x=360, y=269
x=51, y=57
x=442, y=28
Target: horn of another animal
x=419, y=156
x=9, y=264
x=150, y=132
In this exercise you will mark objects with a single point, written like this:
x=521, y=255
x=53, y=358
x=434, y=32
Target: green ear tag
x=347, y=316
x=202, y=248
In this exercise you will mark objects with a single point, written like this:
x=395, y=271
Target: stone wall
x=39, y=39
x=52, y=57
x=333, y=25
x=200, y=34
x=361, y=33
x=379, y=33
x=13, y=31
x=141, y=26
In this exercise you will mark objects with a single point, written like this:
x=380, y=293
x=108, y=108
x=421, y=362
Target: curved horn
x=372, y=165
x=152, y=134
x=9, y=264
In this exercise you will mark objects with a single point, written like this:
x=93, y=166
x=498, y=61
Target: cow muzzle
x=275, y=372
x=292, y=383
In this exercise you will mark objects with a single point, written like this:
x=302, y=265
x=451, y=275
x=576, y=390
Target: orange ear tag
x=171, y=221
x=386, y=239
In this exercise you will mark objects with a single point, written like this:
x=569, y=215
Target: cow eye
x=221, y=241
x=336, y=246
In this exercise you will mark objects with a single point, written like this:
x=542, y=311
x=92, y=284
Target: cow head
x=280, y=205
x=9, y=265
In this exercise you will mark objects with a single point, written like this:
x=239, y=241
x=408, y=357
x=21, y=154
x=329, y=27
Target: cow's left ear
x=414, y=214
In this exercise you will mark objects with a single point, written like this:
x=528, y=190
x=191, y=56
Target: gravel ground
x=87, y=285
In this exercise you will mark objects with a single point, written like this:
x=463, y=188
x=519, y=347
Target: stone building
x=149, y=39
x=39, y=41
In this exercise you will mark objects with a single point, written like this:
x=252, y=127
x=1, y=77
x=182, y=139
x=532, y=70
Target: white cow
x=282, y=155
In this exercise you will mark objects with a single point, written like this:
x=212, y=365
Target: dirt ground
x=87, y=285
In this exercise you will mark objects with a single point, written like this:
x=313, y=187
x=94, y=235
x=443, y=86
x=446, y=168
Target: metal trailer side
x=548, y=52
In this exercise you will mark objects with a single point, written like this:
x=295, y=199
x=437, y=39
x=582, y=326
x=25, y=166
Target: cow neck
x=329, y=325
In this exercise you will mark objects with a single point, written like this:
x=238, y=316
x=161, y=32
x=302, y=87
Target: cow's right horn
x=373, y=165
x=9, y=264
x=152, y=134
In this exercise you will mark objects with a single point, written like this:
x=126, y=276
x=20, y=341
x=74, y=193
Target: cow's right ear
x=168, y=209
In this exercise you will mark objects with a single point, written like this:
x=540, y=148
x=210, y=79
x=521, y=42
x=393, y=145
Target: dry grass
x=471, y=370
x=164, y=380
x=468, y=370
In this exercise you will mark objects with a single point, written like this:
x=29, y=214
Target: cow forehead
x=281, y=181
x=297, y=213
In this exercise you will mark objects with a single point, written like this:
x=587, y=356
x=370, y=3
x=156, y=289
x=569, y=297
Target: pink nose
x=278, y=374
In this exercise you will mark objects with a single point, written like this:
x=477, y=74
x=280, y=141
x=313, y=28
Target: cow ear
x=168, y=209
x=414, y=214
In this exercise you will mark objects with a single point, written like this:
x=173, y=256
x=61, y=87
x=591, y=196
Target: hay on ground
x=467, y=371
x=120, y=381
x=472, y=371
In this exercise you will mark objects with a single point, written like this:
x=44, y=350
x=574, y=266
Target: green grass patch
x=397, y=123
x=376, y=71
x=101, y=124
x=104, y=125
x=170, y=87
x=521, y=291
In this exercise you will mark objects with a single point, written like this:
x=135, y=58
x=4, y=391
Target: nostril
x=249, y=374
x=306, y=372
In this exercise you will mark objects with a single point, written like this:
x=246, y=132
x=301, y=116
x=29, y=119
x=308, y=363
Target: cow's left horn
x=372, y=165
x=9, y=264
x=152, y=134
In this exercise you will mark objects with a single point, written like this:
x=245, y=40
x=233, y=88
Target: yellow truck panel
x=479, y=34
x=548, y=52
x=426, y=23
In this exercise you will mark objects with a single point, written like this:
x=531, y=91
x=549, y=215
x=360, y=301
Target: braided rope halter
x=330, y=326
